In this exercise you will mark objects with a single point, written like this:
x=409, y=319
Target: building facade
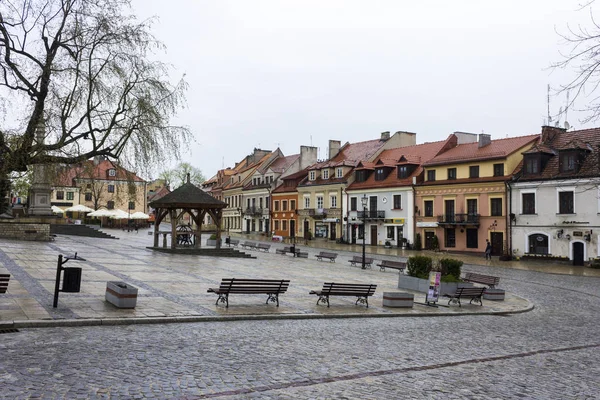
x=462, y=201
x=555, y=198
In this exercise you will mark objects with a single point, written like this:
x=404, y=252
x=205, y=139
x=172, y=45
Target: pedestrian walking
x=488, y=250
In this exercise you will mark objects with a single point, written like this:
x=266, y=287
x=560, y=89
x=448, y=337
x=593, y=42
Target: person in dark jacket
x=488, y=250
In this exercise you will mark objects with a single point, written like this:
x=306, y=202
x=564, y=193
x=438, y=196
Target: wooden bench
x=490, y=281
x=357, y=261
x=271, y=287
x=361, y=291
x=399, y=265
x=325, y=254
x=473, y=293
x=249, y=245
x=263, y=247
x=295, y=251
x=234, y=242
x=4, y=278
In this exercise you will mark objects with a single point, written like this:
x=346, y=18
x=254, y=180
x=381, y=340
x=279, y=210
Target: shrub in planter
x=450, y=279
x=595, y=263
x=435, y=243
x=418, y=242
x=213, y=237
x=450, y=266
x=419, y=266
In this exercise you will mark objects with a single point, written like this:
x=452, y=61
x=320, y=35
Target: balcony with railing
x=371, y=214
x=253, y=211
x=459, y=219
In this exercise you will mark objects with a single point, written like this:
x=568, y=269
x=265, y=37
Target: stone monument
x=39, y=195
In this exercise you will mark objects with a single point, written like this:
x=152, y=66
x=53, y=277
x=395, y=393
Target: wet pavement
x=174, y=287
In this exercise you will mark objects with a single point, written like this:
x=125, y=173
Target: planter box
x=398, y=299
x=212, y=242
x=422, y=285
x=121, y=295
x=494, y=294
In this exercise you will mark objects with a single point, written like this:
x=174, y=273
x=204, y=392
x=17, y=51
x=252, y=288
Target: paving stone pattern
x=549, y=353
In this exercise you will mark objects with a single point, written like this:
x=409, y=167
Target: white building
x=555, y=201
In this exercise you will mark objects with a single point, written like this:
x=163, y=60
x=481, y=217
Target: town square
x=272, y=199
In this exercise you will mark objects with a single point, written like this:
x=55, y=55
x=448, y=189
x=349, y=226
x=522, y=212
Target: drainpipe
x=509, y=211
x=347, y=231
x=414, y=192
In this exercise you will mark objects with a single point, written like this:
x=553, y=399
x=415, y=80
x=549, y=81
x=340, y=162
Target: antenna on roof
x=567, y=125
x=548, y=103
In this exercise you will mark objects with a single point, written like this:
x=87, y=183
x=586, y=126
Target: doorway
x=332, y=230
x=399, y=235
x=353, y=234
x=247, y=226
x=293, y=228
x=429, y=235
x=497, y=243
x=373, y=235
x=306, y=230
x=578, y=253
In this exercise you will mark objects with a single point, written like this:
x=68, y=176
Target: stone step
x=79, y=230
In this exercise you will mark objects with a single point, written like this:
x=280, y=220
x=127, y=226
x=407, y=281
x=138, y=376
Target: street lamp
x=364, y=201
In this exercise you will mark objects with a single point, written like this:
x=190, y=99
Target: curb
x=164, y=320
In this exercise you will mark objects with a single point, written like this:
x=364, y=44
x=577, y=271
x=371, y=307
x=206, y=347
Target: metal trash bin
x=71, y=280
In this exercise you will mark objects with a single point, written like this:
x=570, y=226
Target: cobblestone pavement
x=548, y=353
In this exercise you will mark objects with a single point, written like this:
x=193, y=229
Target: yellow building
x=462, y=202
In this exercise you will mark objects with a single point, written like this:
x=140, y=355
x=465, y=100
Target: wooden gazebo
x=191, y=200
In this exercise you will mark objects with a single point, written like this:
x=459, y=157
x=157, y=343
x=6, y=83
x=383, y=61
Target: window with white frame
x=528, y=201
x=566, y=200
x=325, y=174
x=306, y=202
x=319, y=201
x=333, y=201
x=339, y=173
x=312, y=175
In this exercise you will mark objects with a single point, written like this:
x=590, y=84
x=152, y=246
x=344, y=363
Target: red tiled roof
x=283, y=163
x=425, y=151
x=469, y=152
x=88, y=170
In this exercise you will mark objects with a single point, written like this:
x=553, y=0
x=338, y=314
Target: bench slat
x=361, y=291
x=271, y=287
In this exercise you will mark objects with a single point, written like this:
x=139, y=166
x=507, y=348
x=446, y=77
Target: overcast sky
x=283, y=73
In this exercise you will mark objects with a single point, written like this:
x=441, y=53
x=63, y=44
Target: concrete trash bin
x=494, y=294
x=398, y=299
x=121, y=295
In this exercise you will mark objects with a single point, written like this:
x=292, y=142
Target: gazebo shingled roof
x=188, y=195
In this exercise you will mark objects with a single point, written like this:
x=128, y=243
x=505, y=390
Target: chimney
x=96, y=160
x=334, y=148
x=484, y=140
x=308, y=156
x=550, y=132
x=385, y=135
x=465, y=137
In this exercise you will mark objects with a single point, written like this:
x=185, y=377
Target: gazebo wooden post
x=219, y=214
x=173, y=228
x=198, y=232
x=157, y=212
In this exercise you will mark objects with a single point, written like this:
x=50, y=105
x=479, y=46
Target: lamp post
x=364, y=201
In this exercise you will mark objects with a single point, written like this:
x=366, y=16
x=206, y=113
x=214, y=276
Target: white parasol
x=79, y=208
x=139, y=215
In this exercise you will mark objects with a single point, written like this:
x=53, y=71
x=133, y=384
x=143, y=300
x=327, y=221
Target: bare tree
x=583, y=58
x=178, y=176
x=83, y=70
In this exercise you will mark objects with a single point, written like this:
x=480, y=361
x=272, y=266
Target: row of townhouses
x=530, y=195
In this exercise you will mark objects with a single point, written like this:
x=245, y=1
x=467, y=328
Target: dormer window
x=380, y=174
x=312, y=175
x=532, y=164
x=339, y=173
x=361, y=175
x=112, y=172
x=325, y=174
x=404, y=171
x=568, y=161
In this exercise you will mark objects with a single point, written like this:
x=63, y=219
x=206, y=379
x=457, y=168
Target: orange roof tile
x=468, y=152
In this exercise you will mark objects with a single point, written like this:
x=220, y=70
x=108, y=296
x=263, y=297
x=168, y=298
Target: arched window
x=538, y=244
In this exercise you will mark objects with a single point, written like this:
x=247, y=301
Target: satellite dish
x=567, y=125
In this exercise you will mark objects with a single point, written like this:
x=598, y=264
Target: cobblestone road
x=549, y=353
